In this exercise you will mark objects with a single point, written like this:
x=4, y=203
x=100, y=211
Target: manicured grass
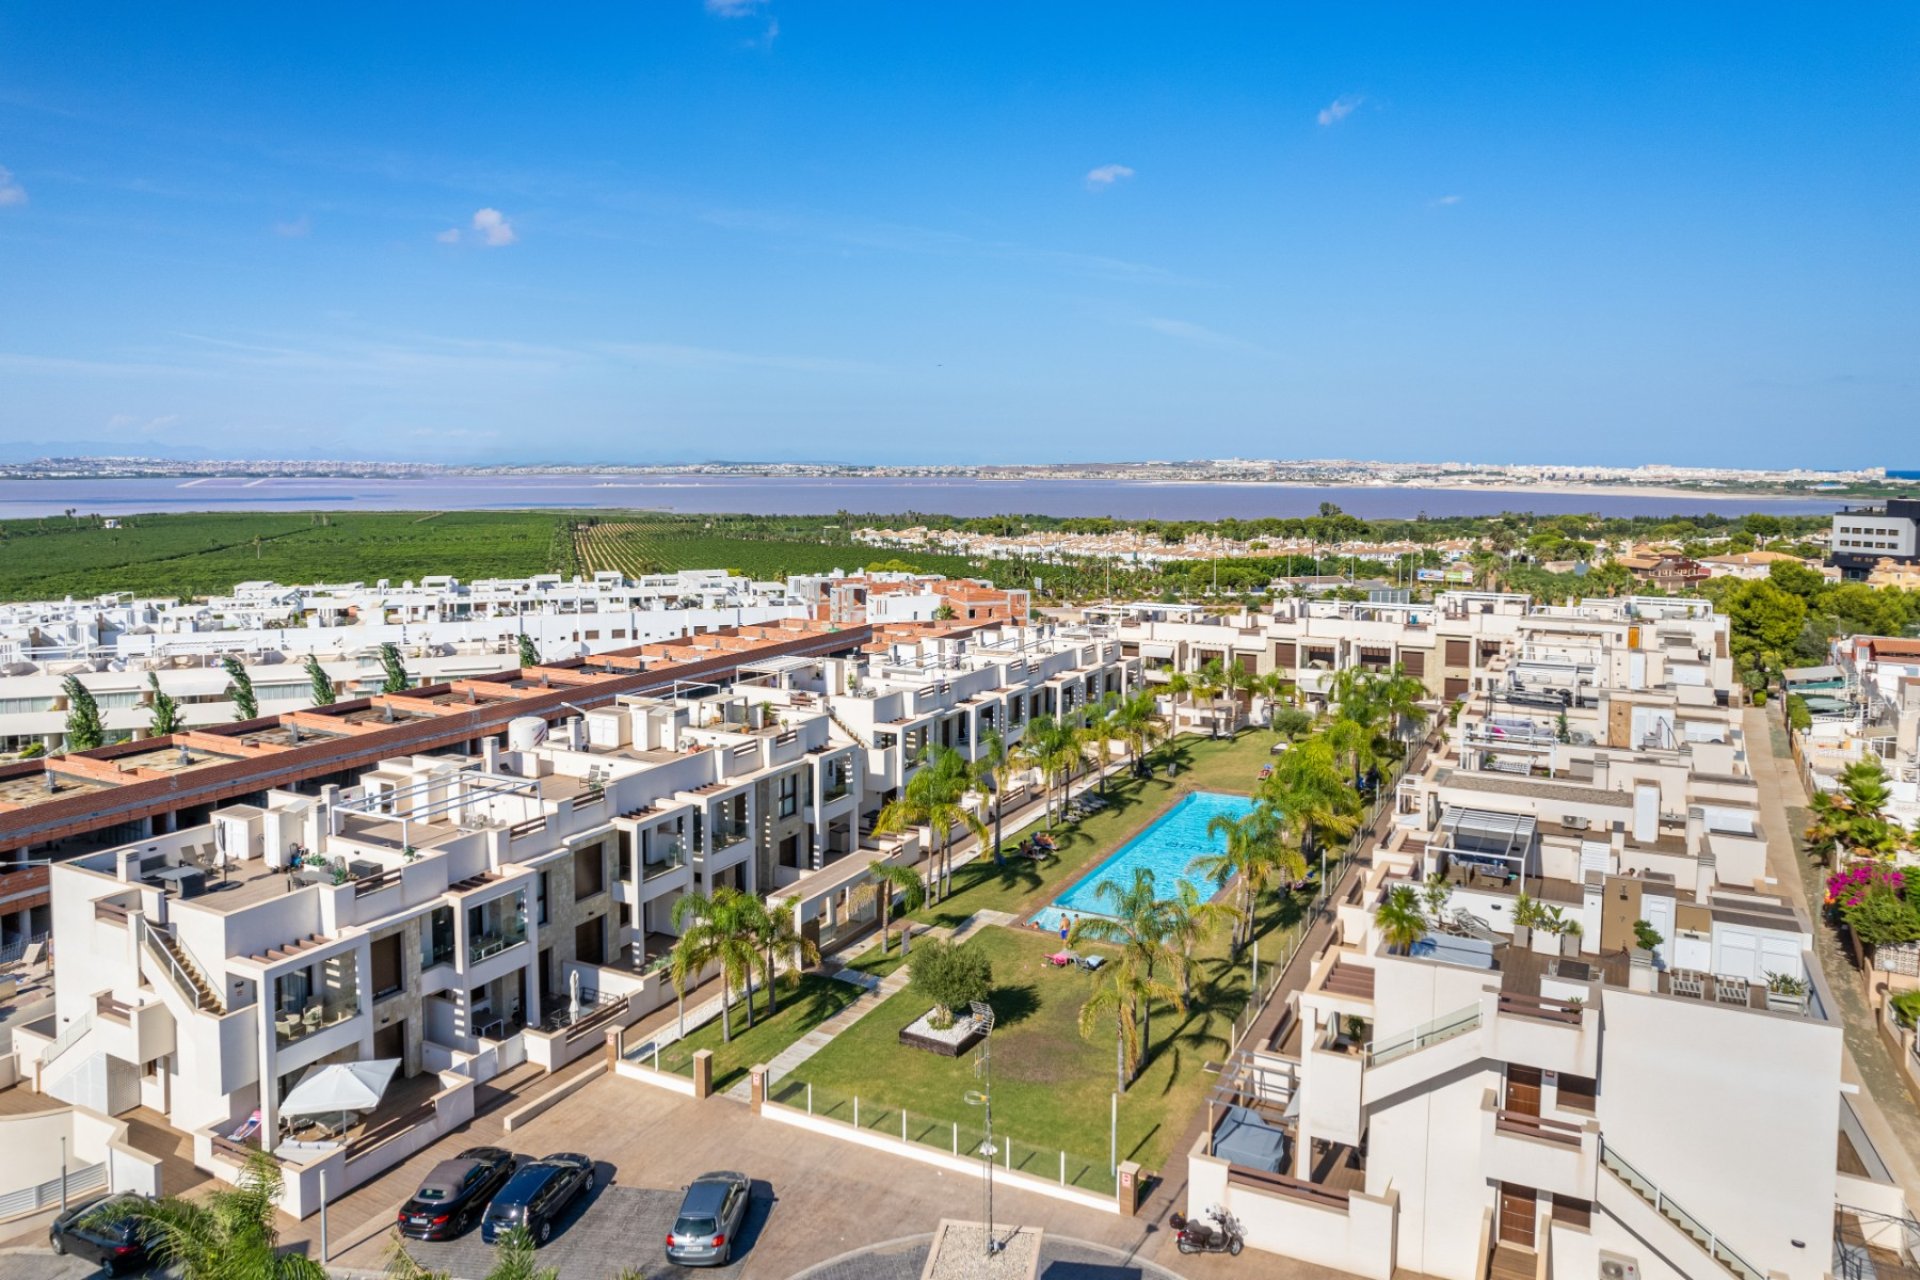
x=1022, y=887
x=1052, y=1087
x=876, y=964
x=803, y=1006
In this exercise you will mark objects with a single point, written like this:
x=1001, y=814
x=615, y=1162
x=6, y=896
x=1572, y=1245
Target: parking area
x=615, y=1228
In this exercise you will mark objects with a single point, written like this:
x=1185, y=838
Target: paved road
x=1060, y=1259
x=1887, y=1109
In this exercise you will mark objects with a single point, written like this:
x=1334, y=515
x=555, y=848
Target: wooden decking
x=1511, y=1262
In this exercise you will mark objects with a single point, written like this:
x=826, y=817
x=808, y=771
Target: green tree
x=1307, y=786
x=320, y=684
x=718, y=930
x=1051, y=745
x=1255, y=854
x=246, y=706
x=884, y=880
x=84, y=728
x=529, y=653
x=949, y=976
x=1127, y=989
x=996, y=765
x=1133, y=917
x=1764, y=621
x=780, y=942
x=230, y=1233
x=397, y=680
x=163, y=711
x=934, y=798
x=1137, y=720
x=1400, y=919
x=1853, y=818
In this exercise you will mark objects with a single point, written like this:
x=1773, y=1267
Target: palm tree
x=1187, y=919
x=996, y=765
x=935, y=797
x=1400, y=919
x=1207, y=683
x=1400, y=697
x=1098, y=729
x=887, y=879
x=1255, y=853
x=1129, y=990
x=717, y=930
x=230, y=1233
x=1854, y=817
x=781, y=941
x=1050, y=745
x=1235, y=681
x=1308, y=788
x=1137, y=719
x=1275, y=688
x=1134, y=919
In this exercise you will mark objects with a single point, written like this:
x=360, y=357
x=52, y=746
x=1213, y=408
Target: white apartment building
x=1546, y=1096
x=446, y=911
x=444, y=628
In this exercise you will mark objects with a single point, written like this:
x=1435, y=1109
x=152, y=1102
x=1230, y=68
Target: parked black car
x=708, y=1224
x=116, y=1247
x=454, y=1192
x=537, y=1196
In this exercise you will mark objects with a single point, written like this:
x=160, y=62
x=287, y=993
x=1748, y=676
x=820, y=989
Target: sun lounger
x=247, y=1130
x=1092, y=963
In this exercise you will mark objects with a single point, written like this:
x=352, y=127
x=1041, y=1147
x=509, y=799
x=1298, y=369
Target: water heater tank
x=524, y=733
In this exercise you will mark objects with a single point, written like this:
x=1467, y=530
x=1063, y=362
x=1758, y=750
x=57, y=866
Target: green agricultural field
x=759, y=547
x=203, y=554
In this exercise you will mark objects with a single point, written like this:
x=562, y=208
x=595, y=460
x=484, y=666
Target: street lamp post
x=983, y=1098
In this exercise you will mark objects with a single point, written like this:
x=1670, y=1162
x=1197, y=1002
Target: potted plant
x=1526, y=915
x=1570, y=934
x=1645, y=939
x=1549, y=925
x=1786, y=993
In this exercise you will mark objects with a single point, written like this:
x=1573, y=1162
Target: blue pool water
x=1165, y=848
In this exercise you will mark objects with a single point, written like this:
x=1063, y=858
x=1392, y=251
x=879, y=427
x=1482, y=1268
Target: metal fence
x=81, y=1181
x=1012, y=1152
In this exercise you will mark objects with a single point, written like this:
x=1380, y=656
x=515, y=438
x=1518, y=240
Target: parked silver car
x=708, y=1225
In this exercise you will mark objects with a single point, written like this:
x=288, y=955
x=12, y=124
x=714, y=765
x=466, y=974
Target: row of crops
x=204, y=554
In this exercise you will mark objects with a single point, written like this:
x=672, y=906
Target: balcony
x=664, y=859
x=485, y=946
x=726, y=835
x=835, y=790
x=1536, y=1151
x=293, y=1027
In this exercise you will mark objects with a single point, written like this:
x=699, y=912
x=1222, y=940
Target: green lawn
x=1022, y=887
x=878, y=965
x=1052, y=1087
x=803, y=1006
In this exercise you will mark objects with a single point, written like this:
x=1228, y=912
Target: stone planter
x=1523, y=936
x=1781, y=1002
x=950, y=1043
x=1570, y=945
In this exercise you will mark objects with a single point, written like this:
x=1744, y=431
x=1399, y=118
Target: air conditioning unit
x=1615, y=1267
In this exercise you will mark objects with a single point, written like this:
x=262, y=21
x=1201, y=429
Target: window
x=540, y=897
x=789, y=795
x=436, y=938
x=589, y=872
x=388, y=976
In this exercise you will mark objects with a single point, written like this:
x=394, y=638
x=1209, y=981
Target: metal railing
x=1664, y=1205
x=192, y=989
x=1440, y=1030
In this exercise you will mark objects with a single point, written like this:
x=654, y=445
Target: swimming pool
x=1165, y=848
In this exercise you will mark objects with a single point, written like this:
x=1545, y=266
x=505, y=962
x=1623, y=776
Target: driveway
x=816, y=1197
x=617, y=1227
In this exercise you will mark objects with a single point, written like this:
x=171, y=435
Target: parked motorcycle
x=1215, y=1232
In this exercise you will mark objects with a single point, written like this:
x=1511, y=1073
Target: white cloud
x=493, y=228
x=1340, y=108
x=766, y=38
x=1106, y=175
x=733, y=8
x=297, y=229
x=1443, y=202
x=489, y=227
x=11, y=192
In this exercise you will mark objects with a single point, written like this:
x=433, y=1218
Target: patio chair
x=1092, y=963
x=1684, y=982
x=1731, y=990
x=316, y=1014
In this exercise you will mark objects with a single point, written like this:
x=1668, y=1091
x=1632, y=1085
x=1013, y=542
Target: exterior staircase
x=1688, y=1225
x=847, y=728
x=186, y=977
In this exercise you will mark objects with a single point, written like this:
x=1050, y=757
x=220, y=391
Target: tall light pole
x=983, y=1098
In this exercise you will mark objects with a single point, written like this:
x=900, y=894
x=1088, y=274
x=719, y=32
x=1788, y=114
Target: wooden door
x=1517, y=1205
x=1523, y=1090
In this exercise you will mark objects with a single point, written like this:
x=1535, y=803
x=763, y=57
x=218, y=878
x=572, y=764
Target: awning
x=1154, y=649
x=1485, y=831
x=1811, y=675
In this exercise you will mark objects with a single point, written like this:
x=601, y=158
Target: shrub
x=1645, y=935
x=1291, y=722
x=950, y=977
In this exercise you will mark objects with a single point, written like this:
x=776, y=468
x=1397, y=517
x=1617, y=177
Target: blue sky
x=676, y=230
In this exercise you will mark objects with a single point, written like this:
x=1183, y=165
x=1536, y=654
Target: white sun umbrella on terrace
x=573, y=994
x=340, y=1088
